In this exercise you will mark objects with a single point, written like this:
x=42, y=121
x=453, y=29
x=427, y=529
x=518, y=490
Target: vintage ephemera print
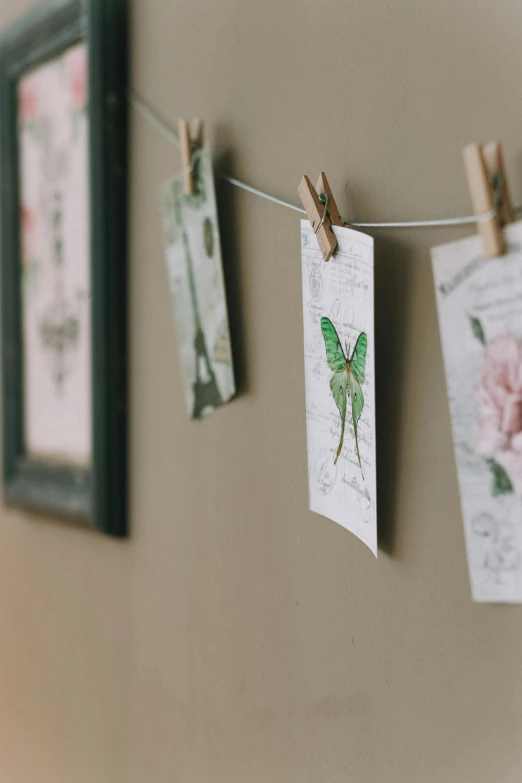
x=193, y=256
x=480, y=319
x=339, y=378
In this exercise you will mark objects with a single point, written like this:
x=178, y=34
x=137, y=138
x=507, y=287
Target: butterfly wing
x=358, y=360
x=338, y=386
x=338, y=383
x=356, y=398
x=357, y=401
x=334, y=352
x=337, y=363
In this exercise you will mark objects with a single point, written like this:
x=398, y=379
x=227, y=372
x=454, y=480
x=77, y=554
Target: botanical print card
x=339, y=379
x=480, y=319
x=193, y=256
x=55, y=258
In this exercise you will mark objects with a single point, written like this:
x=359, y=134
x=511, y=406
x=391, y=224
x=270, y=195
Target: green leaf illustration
x=478, y=331
x=501, y=481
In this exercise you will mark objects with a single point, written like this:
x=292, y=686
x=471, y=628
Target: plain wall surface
x=236, y=637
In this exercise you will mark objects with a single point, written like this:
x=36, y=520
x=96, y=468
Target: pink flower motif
x=27, y=100
x=499, y=399
x=77, y=70
x=28, y=223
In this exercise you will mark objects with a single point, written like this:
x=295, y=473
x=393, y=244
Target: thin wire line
x=145, y=110
x=256, y=192
x=162, y=127
x=462, y=221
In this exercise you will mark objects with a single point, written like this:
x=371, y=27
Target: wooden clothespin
x=489, y=190
x=191, y=139
x=322, y=220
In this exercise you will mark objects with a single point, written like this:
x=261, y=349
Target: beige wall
x=236, y=637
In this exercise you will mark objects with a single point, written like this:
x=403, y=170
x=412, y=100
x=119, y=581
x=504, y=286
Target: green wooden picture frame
x=94, y=495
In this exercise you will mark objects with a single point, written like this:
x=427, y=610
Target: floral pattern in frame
x=55, y=258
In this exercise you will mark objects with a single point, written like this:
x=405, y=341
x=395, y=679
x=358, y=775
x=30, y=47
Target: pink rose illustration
x=28, y=223
x=499, y=399
x=77, y=70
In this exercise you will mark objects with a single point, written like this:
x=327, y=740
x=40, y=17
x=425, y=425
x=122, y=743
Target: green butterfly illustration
x=348, y=377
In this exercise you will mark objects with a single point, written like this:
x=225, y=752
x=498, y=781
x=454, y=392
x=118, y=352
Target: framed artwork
x=63, y=260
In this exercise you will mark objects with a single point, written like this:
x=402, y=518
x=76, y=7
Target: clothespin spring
x=497, y=183
x=323, y=198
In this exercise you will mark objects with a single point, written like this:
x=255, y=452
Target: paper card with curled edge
x=339, y=361
x=195, y=271
x=479, y=304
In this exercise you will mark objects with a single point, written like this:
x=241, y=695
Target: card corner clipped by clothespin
x=489, y=192
x=191, y=139
x=322, y=216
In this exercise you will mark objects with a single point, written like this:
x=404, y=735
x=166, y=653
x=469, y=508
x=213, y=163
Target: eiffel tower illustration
x=205, y=388
x=59, y=325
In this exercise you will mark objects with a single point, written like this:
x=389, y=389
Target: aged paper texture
x=480, y=320
x=194, y=264
x=339, y=378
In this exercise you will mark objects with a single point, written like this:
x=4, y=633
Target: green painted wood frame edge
x=95, y=497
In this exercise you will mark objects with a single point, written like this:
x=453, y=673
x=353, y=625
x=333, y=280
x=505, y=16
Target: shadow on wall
x=230, y=241
x=392, y=287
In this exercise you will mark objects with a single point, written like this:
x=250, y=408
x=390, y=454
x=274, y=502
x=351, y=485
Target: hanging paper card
x=480, y=319
x=339, y=379
x=193, y=256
